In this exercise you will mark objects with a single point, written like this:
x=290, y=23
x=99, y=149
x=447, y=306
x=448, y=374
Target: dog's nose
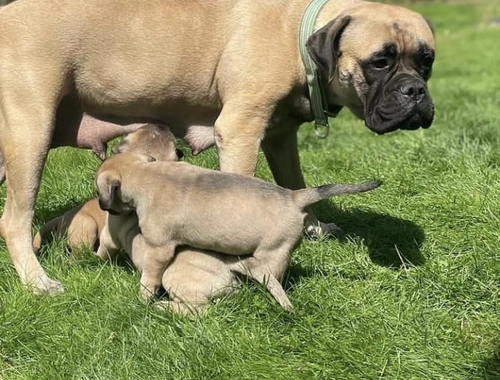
x=414, y=90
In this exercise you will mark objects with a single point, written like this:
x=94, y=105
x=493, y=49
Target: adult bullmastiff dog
x=229, y=64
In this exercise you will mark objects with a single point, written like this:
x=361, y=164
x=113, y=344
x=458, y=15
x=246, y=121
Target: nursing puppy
x=83, y=224
x=192, y=278
x=180, y=204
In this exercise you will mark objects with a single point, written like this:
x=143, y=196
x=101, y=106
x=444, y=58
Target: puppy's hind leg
x=263, y=274
x=25, y=133
x=58, y=225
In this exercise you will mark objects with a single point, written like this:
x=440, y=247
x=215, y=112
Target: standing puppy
x=180, y=204
x=83, y=224
x=231, y=64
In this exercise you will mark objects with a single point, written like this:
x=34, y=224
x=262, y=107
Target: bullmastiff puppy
x=179, y=204
x=233, y=65
x=83, y=224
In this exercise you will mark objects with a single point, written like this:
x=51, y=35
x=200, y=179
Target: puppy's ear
x=107, y=186
x=323, y=45
x=120, y=147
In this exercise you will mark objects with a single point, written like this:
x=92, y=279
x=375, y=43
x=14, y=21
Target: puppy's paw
x=322, y=230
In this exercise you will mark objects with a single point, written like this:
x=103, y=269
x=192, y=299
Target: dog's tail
x=306, y=197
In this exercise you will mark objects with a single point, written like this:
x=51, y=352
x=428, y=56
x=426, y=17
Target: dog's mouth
x=406, y=106
x=383, y=121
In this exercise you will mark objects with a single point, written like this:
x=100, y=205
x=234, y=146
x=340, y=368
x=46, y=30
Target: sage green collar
x=319, y=106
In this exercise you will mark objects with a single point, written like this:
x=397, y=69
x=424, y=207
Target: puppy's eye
x=381, y=63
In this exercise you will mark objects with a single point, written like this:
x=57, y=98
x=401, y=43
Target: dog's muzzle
x=405, y=103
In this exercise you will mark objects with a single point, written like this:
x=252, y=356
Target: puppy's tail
x=58, y=225
x=306, y=197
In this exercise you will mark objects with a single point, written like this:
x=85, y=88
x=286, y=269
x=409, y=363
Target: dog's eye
x=381, y=63
x=427, y=61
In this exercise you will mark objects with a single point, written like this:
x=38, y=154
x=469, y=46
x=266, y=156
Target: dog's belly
x=189, y=106
x=194, y=127
x=178, y=115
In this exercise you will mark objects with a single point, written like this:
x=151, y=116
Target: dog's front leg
x=282, y=154
x=155, y=261
x=239, y=130
x=24, y=153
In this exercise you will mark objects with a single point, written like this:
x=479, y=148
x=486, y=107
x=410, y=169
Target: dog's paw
x=321, y=230
x=44, y=284
x=288, y=307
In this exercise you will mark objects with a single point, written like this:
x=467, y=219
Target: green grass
x=411, y=292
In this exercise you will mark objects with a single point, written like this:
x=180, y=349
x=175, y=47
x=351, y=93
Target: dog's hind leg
x=25, y=135
x=282, y=154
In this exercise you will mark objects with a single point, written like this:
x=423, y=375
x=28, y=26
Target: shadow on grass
x=392, y=242
x=490, y=368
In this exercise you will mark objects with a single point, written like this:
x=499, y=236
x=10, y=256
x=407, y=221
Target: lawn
x=412, y=291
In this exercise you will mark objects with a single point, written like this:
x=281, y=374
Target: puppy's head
x=151, y=139
x=376, y=60
x=114, y=182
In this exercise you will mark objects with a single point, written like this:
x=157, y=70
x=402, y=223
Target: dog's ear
x=431, y=25
x=323, y=45
x=107, y=186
